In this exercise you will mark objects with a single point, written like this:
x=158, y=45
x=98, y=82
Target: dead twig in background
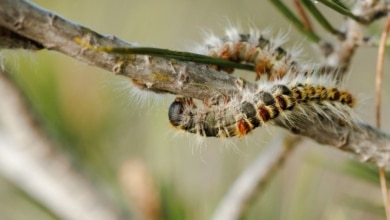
x=254, y=178
x=139, y=186
x=379, y=76
x=379, y=72
x=302, y=13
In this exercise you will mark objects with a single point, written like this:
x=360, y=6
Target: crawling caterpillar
x=241, y=115
x=267, y=56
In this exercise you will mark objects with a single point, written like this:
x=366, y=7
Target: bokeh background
x=102, y=123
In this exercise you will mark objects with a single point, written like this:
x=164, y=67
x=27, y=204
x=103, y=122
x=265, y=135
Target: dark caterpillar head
x=176, y=110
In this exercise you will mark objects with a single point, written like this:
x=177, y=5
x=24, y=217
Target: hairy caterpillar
x=246, y=111
x=267, y=56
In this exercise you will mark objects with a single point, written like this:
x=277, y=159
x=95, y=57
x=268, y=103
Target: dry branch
x=183, y=78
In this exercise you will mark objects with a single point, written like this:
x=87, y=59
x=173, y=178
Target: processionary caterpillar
x=267, y=55
x=246, y=111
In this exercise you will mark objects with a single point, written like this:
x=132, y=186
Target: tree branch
x=151, y=73
x=183, y=78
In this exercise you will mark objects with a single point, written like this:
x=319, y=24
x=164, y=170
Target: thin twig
x=379, y=71
x=184, y=78
x=301, y=12
x=379, y=77
x=254, y=178
x=385, y=193
x=295, y=21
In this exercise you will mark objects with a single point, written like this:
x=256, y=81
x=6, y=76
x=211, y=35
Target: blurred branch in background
x=30, y=161
x=252, y=181
x=140, y=188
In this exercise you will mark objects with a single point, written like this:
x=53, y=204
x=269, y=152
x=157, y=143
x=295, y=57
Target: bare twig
x=295, y=21
x=31, y=163
x=184, y=78
x=379, y=76
x=254, y=178
x=379, y=71
x=385, y=193
x=301, y=12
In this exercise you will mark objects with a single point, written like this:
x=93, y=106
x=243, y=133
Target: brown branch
x=303, y=15
x=184, y=78
x=151, y=73
x=379, y=77
x=379, y=72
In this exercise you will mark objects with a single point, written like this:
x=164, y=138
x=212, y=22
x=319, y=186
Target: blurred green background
x=101, y=123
